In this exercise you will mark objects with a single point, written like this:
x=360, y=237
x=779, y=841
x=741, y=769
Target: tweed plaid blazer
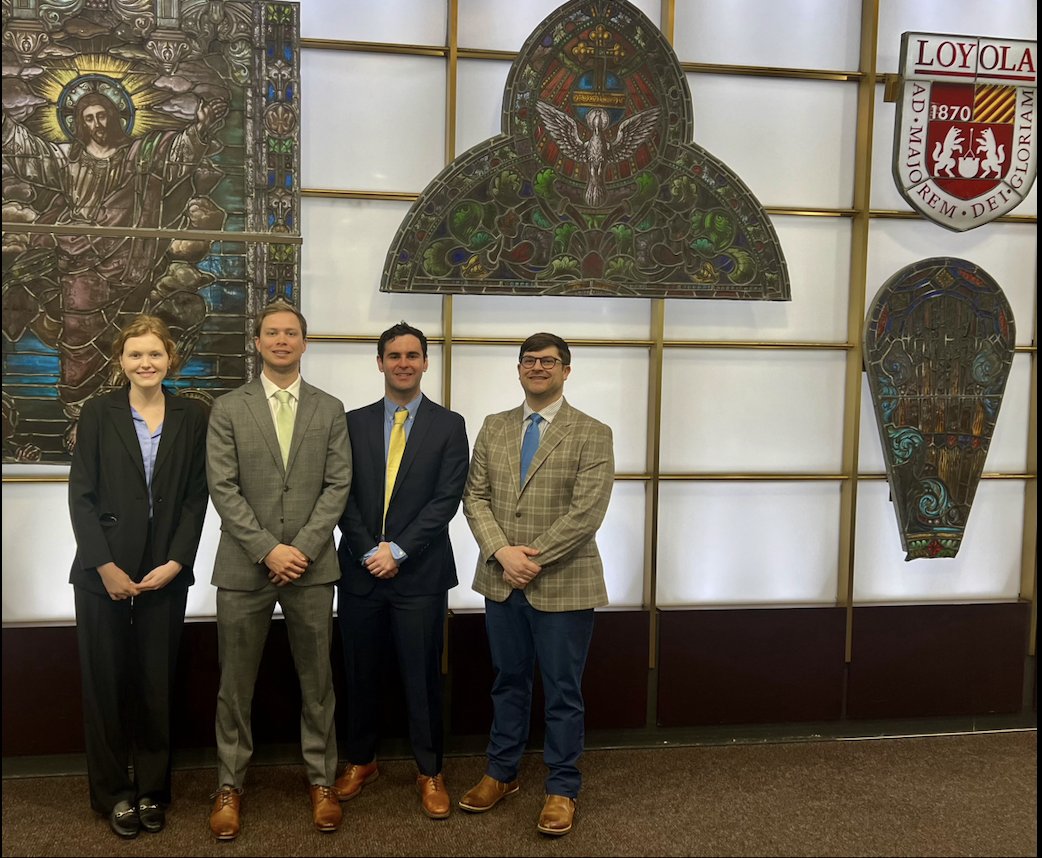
x=557, y=510
x=261, y=502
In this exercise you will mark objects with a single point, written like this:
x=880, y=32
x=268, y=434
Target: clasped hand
x=518, y=568
x=382, y=563
x=285, y=564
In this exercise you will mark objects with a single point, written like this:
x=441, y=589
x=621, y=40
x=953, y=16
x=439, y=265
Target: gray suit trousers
x=243, y=620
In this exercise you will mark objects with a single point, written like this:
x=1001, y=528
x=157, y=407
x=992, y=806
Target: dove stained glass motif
x=938, y=346
x=151, y=164
x=594, y=186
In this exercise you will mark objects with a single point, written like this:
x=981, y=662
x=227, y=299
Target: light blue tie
x=529, y=444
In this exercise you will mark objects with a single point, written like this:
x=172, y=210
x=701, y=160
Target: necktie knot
x=400, y=416
x=282, y=396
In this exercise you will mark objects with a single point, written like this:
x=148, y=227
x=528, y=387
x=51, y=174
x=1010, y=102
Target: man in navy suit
x=396, y=562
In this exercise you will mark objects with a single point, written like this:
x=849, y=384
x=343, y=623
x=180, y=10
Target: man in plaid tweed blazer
x=539, y=571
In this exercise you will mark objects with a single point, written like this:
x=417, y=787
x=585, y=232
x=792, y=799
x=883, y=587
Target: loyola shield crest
x=964, y=149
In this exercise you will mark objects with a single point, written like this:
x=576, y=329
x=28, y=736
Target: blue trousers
x=518, y=636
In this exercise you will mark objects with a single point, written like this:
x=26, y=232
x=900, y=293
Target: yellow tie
x=395, y=451
x=284, y=424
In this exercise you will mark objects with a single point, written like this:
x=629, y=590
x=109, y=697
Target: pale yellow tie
x=395, y=451
x=284, y=424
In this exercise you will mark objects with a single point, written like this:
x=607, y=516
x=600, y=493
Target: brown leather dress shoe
x=486, y=794
x=224, y=817
x=350, y=783
x=557, y=814
x=433, y=795
x=325, y=808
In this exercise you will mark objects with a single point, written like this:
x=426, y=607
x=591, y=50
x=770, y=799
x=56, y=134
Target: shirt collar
x=548, y=413
x=391, y=407
x=270, y=387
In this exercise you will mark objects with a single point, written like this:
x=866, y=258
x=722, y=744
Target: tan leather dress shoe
x=350, y=783
x=325, y=807
x=433, y=795
x=557, y=814
x=486, y=794
x=224, y=816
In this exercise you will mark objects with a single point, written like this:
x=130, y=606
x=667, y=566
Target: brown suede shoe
x=350, y=783
x=224, y=816
x=486, y=794
x=325, y=807
x=557, y=814
x=433, y=795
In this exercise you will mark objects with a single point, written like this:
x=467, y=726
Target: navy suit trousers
x=518, y=636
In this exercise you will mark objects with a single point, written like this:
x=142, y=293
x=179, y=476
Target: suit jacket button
x=285, y=488
x=517, y=515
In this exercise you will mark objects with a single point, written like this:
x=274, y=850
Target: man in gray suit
x=279, y=469
x=539, y=485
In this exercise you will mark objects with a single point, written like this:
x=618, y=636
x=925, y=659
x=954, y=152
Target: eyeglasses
x=529, y=361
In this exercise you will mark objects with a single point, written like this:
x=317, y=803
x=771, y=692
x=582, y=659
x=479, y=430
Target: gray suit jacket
x=260, y=502
x=558, y=509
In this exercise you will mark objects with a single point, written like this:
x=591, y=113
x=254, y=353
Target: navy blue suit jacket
x=426, y=496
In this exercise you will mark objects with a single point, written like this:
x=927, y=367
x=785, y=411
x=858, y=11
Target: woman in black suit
x=137, y=496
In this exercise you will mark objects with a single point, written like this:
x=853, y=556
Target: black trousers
x=128, y=654
x=415, y=627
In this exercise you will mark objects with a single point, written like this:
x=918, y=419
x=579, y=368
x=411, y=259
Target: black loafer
x=124, y=820
x=151, y=814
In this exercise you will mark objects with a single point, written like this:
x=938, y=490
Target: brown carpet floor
x=943, y=795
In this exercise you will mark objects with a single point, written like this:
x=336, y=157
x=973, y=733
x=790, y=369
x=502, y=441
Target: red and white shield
x=964, y=146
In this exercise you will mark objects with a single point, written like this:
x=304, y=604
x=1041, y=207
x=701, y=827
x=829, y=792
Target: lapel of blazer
x=512, y=439
x=257, y=403
x=123, y=420
x=306, y=409
x=173, y=422
x=372, y=442
x=553, y=435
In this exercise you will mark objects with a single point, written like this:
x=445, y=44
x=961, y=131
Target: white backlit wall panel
x=371, y=121
x=803, y=34
x=341, y=276
x=519, y=316
x=1005, y=250
x=790, y=141
x=817, y=253
x=751, y=411
x=987, y=566
x=38, y=552
x=479, y=101
x=738, y=543
x=504, y=25
x=400, y=22
x=1009, y=18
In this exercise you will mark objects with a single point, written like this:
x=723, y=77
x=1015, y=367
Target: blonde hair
x=142, y=326
x=279, y=305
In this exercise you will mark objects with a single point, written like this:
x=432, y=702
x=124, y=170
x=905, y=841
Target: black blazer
x=108, y=497
x=427, y=493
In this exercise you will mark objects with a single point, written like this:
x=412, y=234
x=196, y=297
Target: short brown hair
x=141, y=326
x=543, y=340
x=279, y=305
